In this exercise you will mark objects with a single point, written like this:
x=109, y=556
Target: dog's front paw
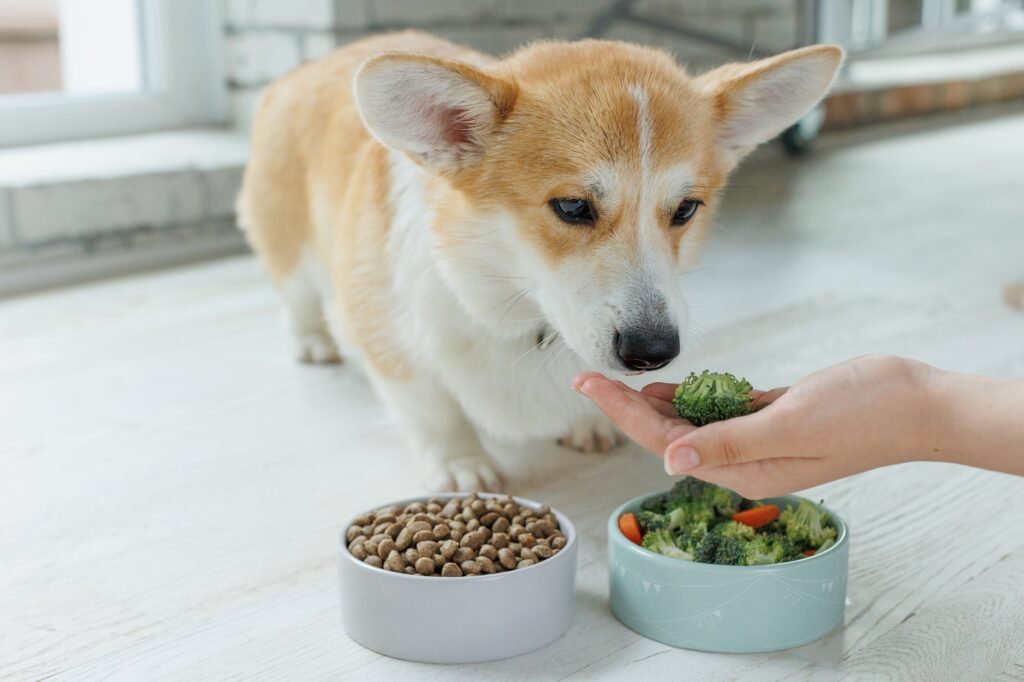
x=463, y=473
x=316, y=347
x=592, y=434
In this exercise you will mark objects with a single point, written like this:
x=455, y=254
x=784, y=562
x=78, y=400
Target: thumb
x=733, y=441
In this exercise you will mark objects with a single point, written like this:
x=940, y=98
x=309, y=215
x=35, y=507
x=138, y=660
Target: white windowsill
x=80, y=210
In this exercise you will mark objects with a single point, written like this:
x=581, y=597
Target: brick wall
x=266, y=38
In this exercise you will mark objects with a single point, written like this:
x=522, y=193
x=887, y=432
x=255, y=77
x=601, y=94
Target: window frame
x=183, y=71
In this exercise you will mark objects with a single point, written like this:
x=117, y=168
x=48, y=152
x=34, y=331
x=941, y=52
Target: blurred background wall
x=264, y=38
x=123, y=122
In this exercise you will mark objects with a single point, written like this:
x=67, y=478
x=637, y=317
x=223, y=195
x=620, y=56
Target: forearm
x=979, y=422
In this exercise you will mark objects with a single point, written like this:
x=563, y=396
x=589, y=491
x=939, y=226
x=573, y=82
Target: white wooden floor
x=171, y=484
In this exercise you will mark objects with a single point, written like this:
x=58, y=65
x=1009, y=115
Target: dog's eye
x=574, y=211
x=685, y=211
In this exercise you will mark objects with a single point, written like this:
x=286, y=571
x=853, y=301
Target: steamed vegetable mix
x=698, y=521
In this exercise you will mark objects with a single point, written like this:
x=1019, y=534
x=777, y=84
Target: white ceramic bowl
x=459, y=620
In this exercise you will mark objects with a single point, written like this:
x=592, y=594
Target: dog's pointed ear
x=755, y=102
x=439, y=112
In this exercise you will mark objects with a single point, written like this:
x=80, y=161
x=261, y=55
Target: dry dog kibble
x=527, y=540
x=404, y=538
x=448, y=548
x=542, y=552
x=395, y=562
x=451, y=570
x=417, y=526
x=472, y=540
x=507, y=558
x=457, y=537
x=385, y=547
x=463, y=554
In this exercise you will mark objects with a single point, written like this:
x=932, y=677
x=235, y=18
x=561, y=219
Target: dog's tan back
x=312, y=166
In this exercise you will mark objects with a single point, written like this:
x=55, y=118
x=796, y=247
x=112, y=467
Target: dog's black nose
x=646, y=349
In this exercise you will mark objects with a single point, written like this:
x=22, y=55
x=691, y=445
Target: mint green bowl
x=733, y=609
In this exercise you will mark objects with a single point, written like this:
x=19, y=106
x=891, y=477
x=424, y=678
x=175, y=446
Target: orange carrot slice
x=758, y=516
x=630, y=527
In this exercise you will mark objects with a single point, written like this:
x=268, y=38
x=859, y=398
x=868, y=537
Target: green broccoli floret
x=737, y=531
x=767, y=549
x=807, y=525
x=649, y=521
x=717, y=549
x=654, y=503
x=712, y=397
x=701, y=499
x=660, y=541
x=688, y=537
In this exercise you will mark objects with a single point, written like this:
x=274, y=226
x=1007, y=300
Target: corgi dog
x=476, y=231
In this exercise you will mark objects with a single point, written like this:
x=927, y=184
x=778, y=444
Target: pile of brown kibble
x=457, y=537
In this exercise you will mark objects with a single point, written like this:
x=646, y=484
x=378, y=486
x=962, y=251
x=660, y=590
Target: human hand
x=858, y=415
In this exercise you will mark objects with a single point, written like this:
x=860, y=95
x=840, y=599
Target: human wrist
x=940, y=434
x=914, y=405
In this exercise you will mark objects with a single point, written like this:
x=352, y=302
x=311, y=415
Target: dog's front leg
x=447, y=447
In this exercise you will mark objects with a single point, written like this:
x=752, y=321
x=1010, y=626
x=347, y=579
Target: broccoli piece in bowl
x=737, y=531
x=701, y=500
x=650, y=521
x=660, y=541
x=654, y=503
x=716, y=548
x=711, y=397
x=807, y=525
x=768, y=548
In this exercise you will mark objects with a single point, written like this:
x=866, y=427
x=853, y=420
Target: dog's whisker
x=513, y=305
x=504, y=300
